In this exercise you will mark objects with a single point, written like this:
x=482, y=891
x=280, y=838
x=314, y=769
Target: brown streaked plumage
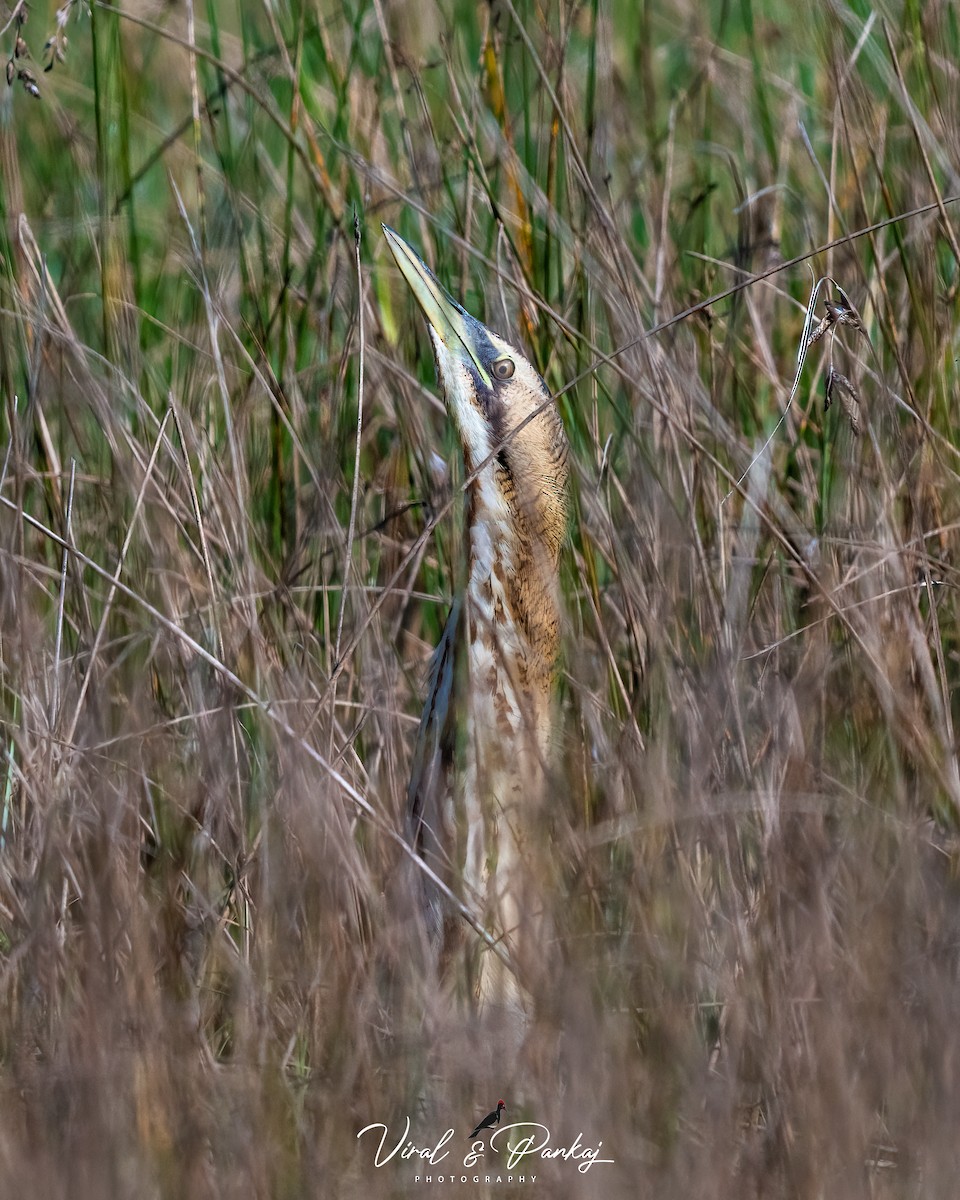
x=470, y=818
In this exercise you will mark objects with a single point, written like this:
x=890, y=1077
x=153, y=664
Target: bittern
x=471, y=820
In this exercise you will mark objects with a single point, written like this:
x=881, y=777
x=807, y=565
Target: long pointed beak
x=450, y=323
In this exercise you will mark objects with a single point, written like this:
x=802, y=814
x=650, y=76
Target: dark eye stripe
x=483, y=397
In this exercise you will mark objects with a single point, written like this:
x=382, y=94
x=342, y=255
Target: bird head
x=491, y=389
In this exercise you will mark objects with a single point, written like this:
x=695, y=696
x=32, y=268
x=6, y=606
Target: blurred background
x=231, y=522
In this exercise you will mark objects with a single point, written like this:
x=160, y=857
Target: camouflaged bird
x=471, y=811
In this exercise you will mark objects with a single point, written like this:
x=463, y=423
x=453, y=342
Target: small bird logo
x=490, y=1119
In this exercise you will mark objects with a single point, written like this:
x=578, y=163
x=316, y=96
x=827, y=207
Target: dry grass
x=209, y=690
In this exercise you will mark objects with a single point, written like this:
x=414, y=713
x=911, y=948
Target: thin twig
x=58, y=645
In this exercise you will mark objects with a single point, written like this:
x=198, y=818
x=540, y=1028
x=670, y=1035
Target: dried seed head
x=55, y=49
x=818, y=333
x=29, y=81
x=842, y=314
x=838, y=384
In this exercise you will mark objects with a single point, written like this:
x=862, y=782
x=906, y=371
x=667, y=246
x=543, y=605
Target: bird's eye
x=504, y=368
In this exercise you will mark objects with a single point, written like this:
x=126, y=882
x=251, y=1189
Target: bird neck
x=514, y=626
x=513, y=630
